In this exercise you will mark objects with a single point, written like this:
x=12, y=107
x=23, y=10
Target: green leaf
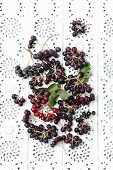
x=53, y=87
x=85, y=69
x=41, y=88
x=85, y=79
x=52, y=99
x=63, y=94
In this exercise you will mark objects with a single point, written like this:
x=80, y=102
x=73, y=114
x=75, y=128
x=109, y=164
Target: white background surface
x=18, y=21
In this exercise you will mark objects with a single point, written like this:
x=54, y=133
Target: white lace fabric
x=18, y=21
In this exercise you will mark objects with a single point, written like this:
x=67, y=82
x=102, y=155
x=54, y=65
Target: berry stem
x=31, y=56
x=62, y=146
x=45, y=134
x=42, y=44
x=18, y=95
x=54, y=35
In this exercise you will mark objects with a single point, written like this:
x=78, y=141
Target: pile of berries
x=82, y=125
x=39, y=101
x=26, y=117
x=41, y=133
x=44, y=96
x=74, y=58
x=32, y=41
x=78, y=27
x=39, y=67
x=74, y=141
x=47, y=54
x=18, y=100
